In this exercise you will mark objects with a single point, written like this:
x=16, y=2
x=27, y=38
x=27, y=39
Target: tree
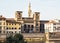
x=0, y=42
x=9, y=39
x=17, y=38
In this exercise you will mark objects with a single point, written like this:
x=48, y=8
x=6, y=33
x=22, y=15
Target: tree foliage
x=17, y=38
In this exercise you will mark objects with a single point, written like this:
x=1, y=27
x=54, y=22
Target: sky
x=49, y=9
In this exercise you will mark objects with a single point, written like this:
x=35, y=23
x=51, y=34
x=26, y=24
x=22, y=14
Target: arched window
x=15, y=28
x=28, y=26
x=7, y=32
x=25, y=26
x=7, y=28
x=0, y=31
x=36, y=24
x=12, y=27
x=19, y=28
x=11, y=32
x=32, y=26
x=15, y=31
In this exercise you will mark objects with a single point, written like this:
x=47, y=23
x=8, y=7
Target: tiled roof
x=27, y=20
x=11, y=20
x=1, y=17
x=19, y=11
x=44, y=20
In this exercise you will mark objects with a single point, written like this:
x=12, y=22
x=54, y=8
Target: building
x=52, y=31
x=9, y=25
x=20, y=24
x=42, y=25
x=31, y=27
x=53, y=26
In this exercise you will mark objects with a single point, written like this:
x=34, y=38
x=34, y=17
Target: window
x=36, y=24
x=37, y=29
x=12, y=23
x=4, y=27
x=31, y=29
x=25, y=26
x=19, y=28
x=54, y=28
x=4, y=23
x=7, y=31
x=15, y=32
x=24, y=29
x=12, y=27
x=19, y=31
x=9, y=23
x=28, y=26
x=15, y=23
x=11, y=32
x=0, y=23
x=3, y=31
x=58, y=28
x=0, y=31
x=54, y=23
x=32, y=26
x=0, y=27
x=19, y=24
x=7, y=28
x=15, y=28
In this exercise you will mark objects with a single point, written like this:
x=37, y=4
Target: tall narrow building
x=29, y=10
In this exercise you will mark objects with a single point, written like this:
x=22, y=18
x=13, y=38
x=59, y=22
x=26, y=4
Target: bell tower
x=29, y=10
x=36, y=18
x=18, y=15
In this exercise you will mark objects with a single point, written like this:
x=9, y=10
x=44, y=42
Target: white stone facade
x=52, y=26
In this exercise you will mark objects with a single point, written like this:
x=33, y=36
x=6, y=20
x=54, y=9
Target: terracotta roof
x=44, y=20
x=27, y=20
x=11, y=20
x=19, y=11
x=1, y=17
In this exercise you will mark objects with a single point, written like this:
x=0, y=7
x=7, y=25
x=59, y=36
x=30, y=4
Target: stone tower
x=18, y=15
x=29, y=10
x=36, y=19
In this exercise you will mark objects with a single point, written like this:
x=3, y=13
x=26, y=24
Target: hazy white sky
x=49, y=9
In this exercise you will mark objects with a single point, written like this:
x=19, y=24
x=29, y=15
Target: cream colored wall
x=3, y=25
x=34, y=39
x=48, y=27
x=17, y=26
x=14, y=26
